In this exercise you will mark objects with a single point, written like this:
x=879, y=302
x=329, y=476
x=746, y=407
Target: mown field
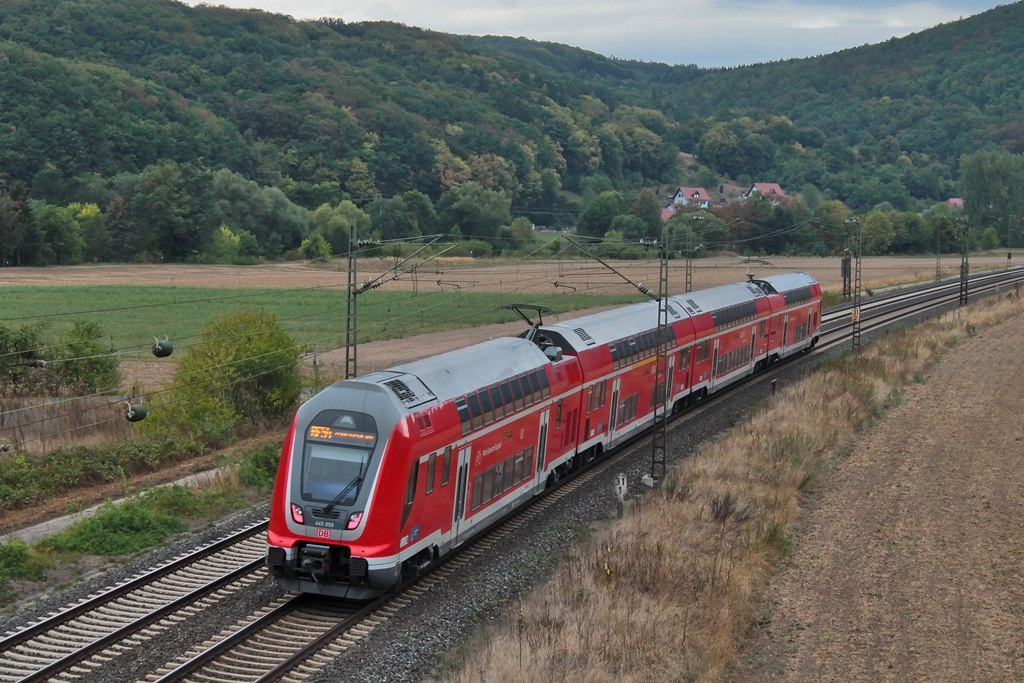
x=133, y=316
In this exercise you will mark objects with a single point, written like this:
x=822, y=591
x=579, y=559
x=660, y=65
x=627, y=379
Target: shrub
x=259, y=466
x=74, y=363
x=243, y=375
x=115, y=530
x=25, y=479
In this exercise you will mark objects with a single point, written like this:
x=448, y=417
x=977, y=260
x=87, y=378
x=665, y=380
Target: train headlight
x=297, y=514
x=353, y=520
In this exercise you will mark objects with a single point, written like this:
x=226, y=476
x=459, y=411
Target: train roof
x=786, y=282
x=455, y=373
x=717, y=298
x=603, y=327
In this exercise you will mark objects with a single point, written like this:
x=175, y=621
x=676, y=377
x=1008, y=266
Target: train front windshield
x=337, y=450
x=330, y=469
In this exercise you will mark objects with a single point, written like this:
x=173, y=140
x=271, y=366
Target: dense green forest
x=152, y=130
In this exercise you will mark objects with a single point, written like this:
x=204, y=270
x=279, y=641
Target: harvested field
x=493, y=276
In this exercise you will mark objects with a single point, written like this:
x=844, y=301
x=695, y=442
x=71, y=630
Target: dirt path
x=908, y=566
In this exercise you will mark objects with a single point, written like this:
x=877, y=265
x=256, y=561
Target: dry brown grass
x=669, y=593
x=37, y=425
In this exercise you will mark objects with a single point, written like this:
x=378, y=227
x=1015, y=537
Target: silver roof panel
x=455, y=373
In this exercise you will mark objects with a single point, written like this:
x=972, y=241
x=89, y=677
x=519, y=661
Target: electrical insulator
x=135, y=413
x=162, y=347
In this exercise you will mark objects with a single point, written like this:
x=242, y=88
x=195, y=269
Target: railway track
x=296, y=635
x=82, y=637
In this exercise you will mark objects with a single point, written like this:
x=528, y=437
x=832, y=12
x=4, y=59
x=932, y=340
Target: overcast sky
x=702, y=32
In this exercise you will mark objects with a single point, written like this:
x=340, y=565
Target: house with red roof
x=955, y=202
x=692, y=195
x=769, y=191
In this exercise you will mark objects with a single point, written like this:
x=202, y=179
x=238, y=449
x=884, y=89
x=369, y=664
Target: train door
x=613, y=415
x=459, y=527
x=542, y=451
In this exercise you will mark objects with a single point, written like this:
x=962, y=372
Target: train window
x=499, y=403
x=528, y=463
x=535, y=386
x=507, y=480
x=558, y=415
x=615, y=354
x=634, y=350
x=410, y=493
x=517, y=391
x=602, y=393
x=488, y=491
x=524, y=381
x=446, y=465
x=590, y=398
x=478, y=490
x=650, y=345
x=475, y=411
x=684, y=358
x=464, y=417
x=517, y=468
x=703, y=351
x=330, y=469
x=431, y=472
x=763, y=328
x=545, y=385
x=485, y=403
x=506, y=397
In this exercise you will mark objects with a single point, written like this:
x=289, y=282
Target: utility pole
x=855, y=315
x=350, y=302
x=663, y=375
x=965, y=267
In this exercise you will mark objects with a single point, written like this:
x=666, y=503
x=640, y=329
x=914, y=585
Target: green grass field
x=132, y=316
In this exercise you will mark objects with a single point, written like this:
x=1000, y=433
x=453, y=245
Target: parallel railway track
x=83, y=636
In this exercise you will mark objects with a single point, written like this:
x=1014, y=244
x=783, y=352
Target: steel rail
x=93, y=602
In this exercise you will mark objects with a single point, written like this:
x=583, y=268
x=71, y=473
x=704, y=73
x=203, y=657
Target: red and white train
x=383, y=474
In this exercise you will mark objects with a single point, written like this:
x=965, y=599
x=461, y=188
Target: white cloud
x=700, y=32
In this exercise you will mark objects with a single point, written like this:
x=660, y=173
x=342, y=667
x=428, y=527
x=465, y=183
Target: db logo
x=323, y=533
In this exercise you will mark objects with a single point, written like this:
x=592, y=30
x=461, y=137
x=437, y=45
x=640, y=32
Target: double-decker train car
x=383, y=474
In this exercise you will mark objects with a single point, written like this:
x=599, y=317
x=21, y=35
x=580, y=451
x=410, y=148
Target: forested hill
x=947, y=91
x=151, y=130
x=107, y=86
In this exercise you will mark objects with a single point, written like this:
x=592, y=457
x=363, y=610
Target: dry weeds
x=670, y=592
x=37, y=425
